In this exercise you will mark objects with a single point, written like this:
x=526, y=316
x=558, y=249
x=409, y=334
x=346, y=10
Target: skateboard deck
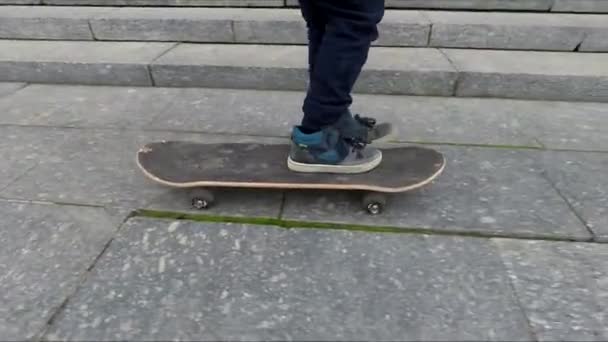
x=185, y=164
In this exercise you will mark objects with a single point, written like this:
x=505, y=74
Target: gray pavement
x=508, y=244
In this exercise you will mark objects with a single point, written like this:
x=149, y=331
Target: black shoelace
x=357, y=145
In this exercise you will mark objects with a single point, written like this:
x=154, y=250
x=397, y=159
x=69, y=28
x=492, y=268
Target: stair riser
x=409, y=71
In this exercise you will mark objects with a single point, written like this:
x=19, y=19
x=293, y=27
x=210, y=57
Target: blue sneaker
x=327, y=151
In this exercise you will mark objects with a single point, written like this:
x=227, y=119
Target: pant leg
x=315, y=23
x=351, y=28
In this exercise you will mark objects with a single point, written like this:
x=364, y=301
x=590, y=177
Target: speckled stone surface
x=44, y=252
x=562, y=286
x=433, y=119
x=165, y=280
x=582, y=179
x=493, y=191
x=82, y=106
x=568, y=125
x=78, y=62
x=98, y=167
x=22, y=149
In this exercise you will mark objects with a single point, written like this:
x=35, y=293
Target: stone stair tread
x=412, y=28
x=390, y=70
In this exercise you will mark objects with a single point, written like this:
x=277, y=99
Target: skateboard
x=201, y=167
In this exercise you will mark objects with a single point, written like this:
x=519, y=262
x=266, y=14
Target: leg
x=351, y=28
x=315, y=23
x=340, y=35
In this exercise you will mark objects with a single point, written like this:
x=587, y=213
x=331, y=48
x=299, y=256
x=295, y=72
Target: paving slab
x=582, y=179
x=521, y=31
x=398, y=28
x=557, y=125
x=284, y=26
x=501, y=30
x=270, y=113
x=482, y=190
x=119, y=215
x=600, y=6
x=569, y=125
x=537, y=75
x=85, y=106
x=45, y=251
x=7, y=88
x=44, y=22
x=81, y=62
x=165, y=24
x=595, y=42
x=228, y=202
x=403, y=28
x=394, y=71
x=97, y=167
x=162, y=280
x=562, y=287
x=23, y=149
x=429, y=119
x=389, y=70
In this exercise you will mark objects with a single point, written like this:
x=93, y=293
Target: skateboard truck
x=374, y=203
x=202, y=199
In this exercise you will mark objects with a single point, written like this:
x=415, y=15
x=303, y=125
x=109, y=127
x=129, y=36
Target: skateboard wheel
x=202, y=199
x=374, y=203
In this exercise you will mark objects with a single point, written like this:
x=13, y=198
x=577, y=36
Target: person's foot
x=326, y=151
x=364, y=129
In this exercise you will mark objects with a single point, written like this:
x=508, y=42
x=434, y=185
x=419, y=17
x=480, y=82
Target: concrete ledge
x=534, y=75
x=389, y=70
x=65, y=23
x=78, y=62
x=519, y=31
x=595, y=42
x=224, y=25
x=408, y=71
x=399, y=28
x=583, y=6
x=165, y=24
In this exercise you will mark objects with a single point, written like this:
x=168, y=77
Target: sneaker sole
x=338, y=169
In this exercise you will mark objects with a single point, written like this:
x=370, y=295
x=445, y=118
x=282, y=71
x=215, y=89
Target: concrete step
x=481, y=30
x=410, y=71
x=583, y=6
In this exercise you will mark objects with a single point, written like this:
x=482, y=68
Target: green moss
x=294, y=224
